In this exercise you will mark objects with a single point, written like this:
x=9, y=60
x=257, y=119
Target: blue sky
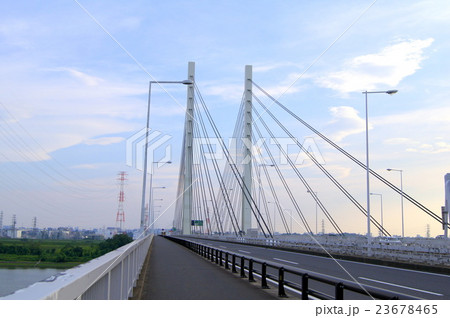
x=73, y=89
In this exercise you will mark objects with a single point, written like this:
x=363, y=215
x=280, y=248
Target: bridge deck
x=174, y=272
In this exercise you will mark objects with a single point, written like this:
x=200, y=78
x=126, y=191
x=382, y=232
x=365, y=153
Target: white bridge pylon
x=188, y=155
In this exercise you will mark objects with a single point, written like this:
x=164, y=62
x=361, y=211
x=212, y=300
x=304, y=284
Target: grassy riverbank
x=55, y=253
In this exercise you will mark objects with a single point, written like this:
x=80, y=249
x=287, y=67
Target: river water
x=12, y=279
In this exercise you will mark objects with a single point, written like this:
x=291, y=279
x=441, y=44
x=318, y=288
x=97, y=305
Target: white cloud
x=286, y=86
x=425, y=126
x=85, y=166
x=232, y=91
x=371, y=71
x=86, y=79
x=130, y=23
x=226, y=91
x=261, y=68
x=434, y=148
x=399, y=141
x=435, y=116
x=13, y=31
x=346, y=121
x=103, y=141
x=339, y=171
x=279, y=90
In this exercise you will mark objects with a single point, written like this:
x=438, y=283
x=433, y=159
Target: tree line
x=49, y=251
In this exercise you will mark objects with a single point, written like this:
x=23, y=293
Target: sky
x=74, y=88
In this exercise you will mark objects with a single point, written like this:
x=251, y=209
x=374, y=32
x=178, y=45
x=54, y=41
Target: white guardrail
x=110, y=276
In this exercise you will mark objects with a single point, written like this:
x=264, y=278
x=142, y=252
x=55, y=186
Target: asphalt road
x=419, y=284
x=177, y=273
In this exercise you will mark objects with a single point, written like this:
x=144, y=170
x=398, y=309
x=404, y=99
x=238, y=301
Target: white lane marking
x=401, y=286
x=359, y=263
x=283, y=260
x=343, y=279
x=354, y=262
x=245, y=251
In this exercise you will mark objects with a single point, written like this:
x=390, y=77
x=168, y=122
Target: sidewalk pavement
x=173, y=272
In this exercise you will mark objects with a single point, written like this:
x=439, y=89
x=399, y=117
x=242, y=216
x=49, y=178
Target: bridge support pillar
x=188, y=153
x=246, y=219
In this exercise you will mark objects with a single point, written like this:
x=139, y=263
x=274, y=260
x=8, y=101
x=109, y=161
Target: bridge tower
x=188, y=153
x=246, y=215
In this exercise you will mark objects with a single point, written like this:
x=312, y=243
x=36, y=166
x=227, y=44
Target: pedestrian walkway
x=174, y=272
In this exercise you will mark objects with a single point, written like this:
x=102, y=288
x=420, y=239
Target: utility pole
x=34, y=223
x=1, y=223
x=120, y=216
x=14, y=221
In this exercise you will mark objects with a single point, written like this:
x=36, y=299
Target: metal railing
x=299, y=282
x=110, y=276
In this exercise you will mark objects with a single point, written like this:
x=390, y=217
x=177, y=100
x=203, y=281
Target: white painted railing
x=111, y=276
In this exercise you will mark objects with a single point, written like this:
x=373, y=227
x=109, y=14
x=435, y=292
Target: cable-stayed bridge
x=237, y=205
x=230, y=183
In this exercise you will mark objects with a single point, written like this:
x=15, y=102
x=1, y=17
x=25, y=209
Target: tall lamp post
x=316, y=207
x=381, y=198
x=389, y=92
x=260, y=188
x=289, y=211
x=208, y=220
x=152, y=210
x=401, y=194
x=144, y=177
x=274, y=216
x=154, y=213
x=150, y=196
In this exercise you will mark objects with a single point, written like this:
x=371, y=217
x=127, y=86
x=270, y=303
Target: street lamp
x=154, y=213
x=389, y=92
x=290, y=214
x=150, y=199
x=401, y=194
x=208, y=219
x=144, y=177
x=274, y=206
x=381, y=198
x=259, y=183
x=316, y=207
x=151, y=210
